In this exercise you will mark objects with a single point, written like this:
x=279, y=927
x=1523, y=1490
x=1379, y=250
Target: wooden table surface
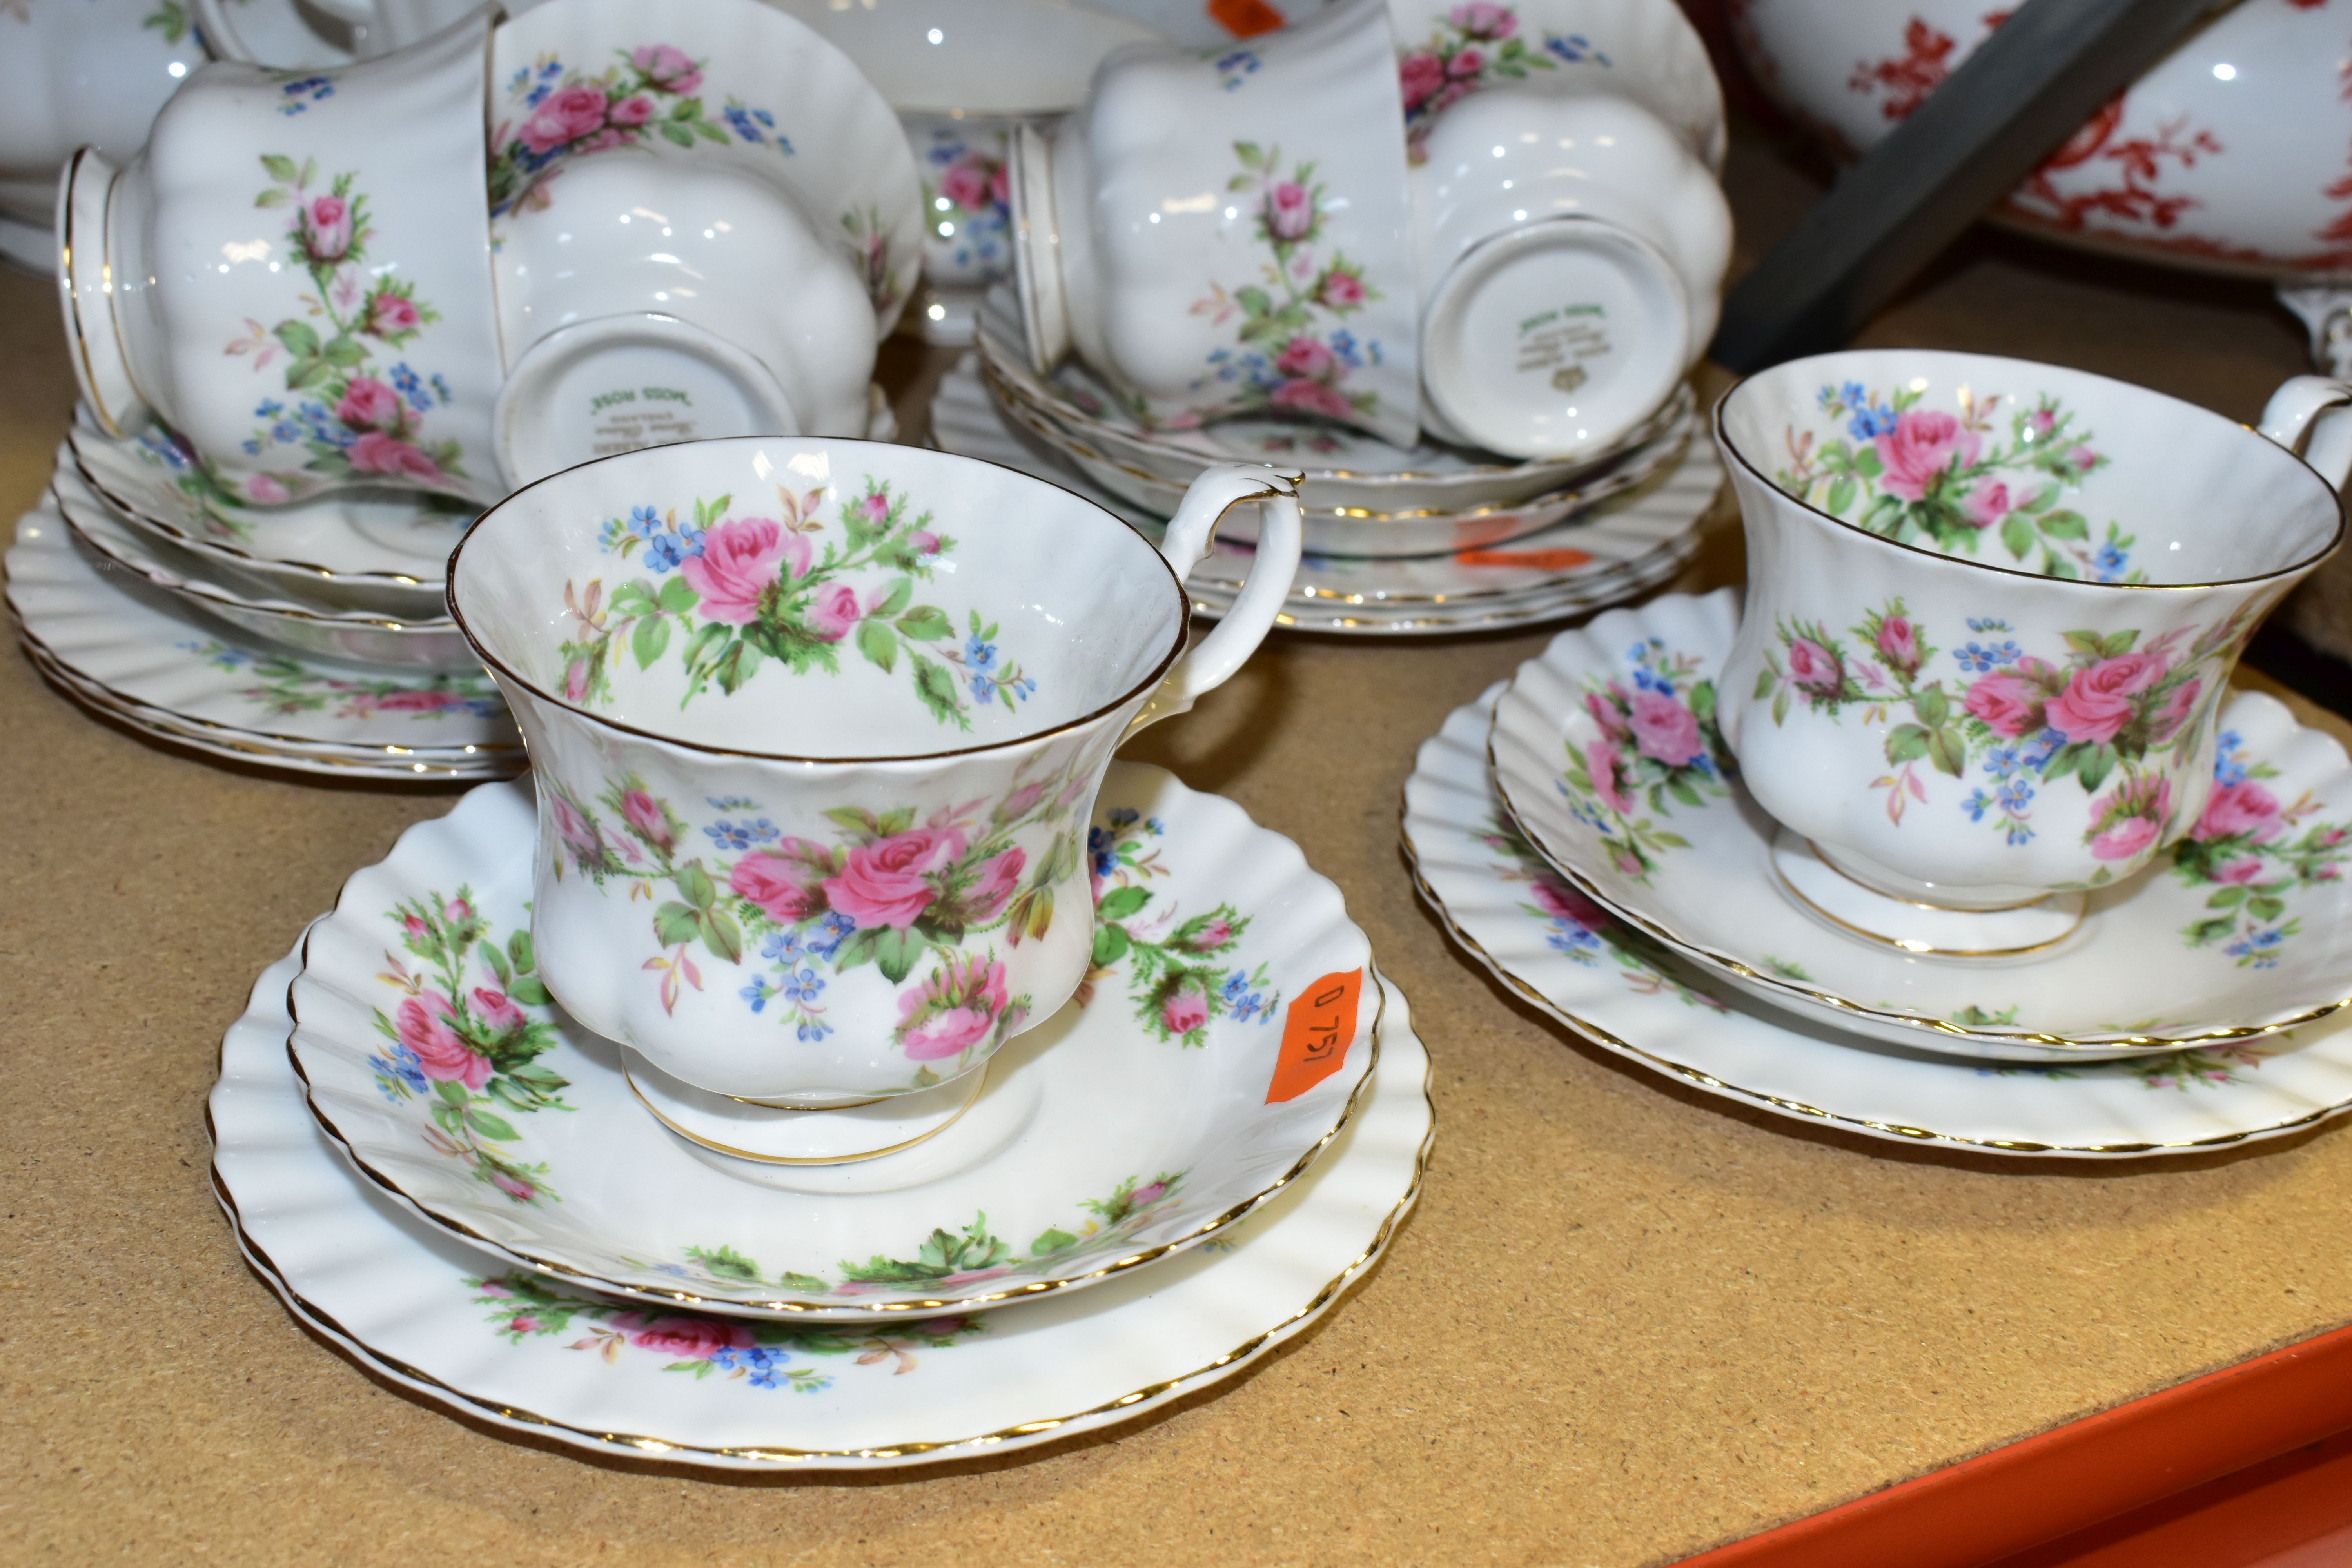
x=1627, y=1322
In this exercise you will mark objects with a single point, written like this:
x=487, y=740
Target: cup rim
x=1726, y=444
x=500, y=668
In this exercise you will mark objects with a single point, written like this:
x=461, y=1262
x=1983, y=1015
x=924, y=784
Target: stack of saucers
x=1399, y=543
x=564, y=1245
x=1989, y=854
x=310, y=640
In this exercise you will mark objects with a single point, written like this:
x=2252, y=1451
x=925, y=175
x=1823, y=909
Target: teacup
x=1231, y=234
x=672, y=301
x=91, y=74
x=1993, y=607
x=1571, y=252
x=961, y=74
x=290, y=34
x=731, y=82
x=817, y=726
x=301, y=296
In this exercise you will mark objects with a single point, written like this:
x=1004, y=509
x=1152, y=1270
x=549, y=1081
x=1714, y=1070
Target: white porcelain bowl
x=672, y=301
x=1570, y=252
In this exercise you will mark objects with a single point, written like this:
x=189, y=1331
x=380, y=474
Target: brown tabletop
x=1627, y=1322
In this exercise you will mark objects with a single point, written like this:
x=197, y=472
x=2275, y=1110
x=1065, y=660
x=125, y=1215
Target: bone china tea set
x=832, y=1013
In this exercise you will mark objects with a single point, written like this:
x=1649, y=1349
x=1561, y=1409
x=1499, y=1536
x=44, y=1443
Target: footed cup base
x=837, y=1134
x=1826, y=890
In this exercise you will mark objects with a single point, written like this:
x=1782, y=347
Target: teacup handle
x=2311, y=416
x=1220, y=487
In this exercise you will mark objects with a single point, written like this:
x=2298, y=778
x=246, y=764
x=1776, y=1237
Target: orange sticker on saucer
x=1246, y=18
x=1539, y=560
x=1315, y=1035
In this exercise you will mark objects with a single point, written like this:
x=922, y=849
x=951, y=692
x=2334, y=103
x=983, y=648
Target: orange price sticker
x=1246, y=18
x=1315, y=1035
x=1539, y=560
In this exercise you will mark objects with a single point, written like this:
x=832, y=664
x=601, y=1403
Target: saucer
x=2190, y=951
x=525, y=1356
x=1190, y=1079
x=1618, y=549
x=383, y=551
x=356, y=635
x=737, y=1129
x=128, y=648
x=1352, y=473
x=1508, y=909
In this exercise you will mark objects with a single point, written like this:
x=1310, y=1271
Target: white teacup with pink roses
x=301, y=296
x=1992, y=608
x=817, y=726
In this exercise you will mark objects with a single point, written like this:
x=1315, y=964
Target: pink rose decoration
x=1312, y=397
x=979, y=997
x=576, y=829
x=2006, y=702
x=1341, y=290
x=425, y=1025
x=2124, y=840
x=1560, y=901
x=515, y=1188
x=835, y=613
x=576, y=680
x=326, y=228
x=1482, y=19
x=496, y=1009
x=668, y=67
x=2044, y=421
x=738, y=566
x=1666, y=729
x=1303, y=357
x=2239, y=808
x=2096, y=704
x=1000, y=879
x=1989, y=503
x=1020, y=803
x=968, y=182
x=1184, y=1012
x=692, y=1339
x=1604, y=712
x=392, y=314
x=2238, y=872
x=1898, y=643
x=1812, y=664
x=1420, y=76
x=1466, y=64
x=1210, y=937
x=633, y=111
x=923, y=541
x=885, y=884
x=368, y=404
x=1607, y=770
x=415, y=927
x=1289, y=211
x=563, y=118
x=417, y=701
x=1923, y=444
x=642, y=812
x=2176, y=709
x=377, y=453
x=268, y=491
x=787, y=882
x=2083, y=459
x=1146, y=1195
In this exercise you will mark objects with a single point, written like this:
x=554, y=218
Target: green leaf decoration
x=1907, y=742
x=649, y=640
x=925, y=623
x=298, y=337
x=678, y=595
x=677, y=925
x=896, y=952
x=874, y=641
x=530, y=991
x=496, y=1128
x=2017, y=534
x=1110, y=945
x=722, y=936
x=2065, y=525
x=1121, y=903
x=901, y=591
x=694, y=885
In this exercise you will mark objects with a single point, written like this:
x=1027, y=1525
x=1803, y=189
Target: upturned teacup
x=1231, y=233
x=817, y=726
x=1993, y=606
x=300, y=293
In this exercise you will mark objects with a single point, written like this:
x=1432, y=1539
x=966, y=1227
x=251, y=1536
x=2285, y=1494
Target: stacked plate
x=1626, y=528
x=1135, y=1205
x=308, y=639
x=1581, y=830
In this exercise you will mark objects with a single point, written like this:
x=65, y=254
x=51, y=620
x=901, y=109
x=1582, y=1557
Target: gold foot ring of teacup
x=785, y=1135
